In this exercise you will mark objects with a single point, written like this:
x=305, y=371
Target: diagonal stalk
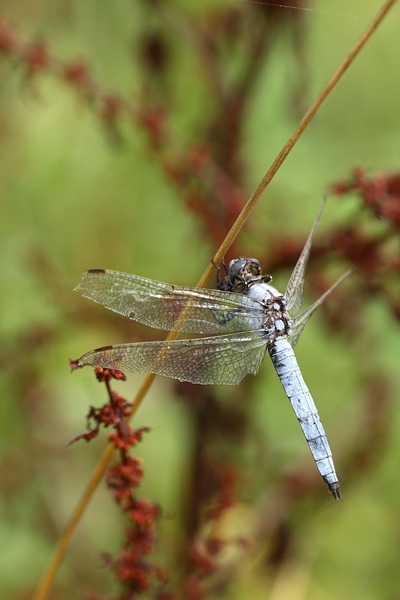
x=44, y=587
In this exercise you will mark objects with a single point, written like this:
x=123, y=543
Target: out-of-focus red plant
x=380, y=192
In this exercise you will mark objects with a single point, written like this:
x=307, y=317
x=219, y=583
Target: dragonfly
x=241, y=320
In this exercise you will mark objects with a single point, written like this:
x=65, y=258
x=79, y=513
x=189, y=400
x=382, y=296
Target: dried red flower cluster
x=206, y=548
x=132, y=567
x=381, y=192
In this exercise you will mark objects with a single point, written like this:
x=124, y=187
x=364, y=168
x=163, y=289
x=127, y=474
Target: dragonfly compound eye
x=253, y=266
x=236, y=267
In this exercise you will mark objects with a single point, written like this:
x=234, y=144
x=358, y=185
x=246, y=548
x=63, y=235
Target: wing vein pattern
x=221, y=360
x=160, y=304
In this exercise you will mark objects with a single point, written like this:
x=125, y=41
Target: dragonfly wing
x=221, y=360
x=171, y=307
x=299, y=322
x=295, y=286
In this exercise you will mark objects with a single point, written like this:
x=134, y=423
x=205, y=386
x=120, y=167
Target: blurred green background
x=78, y=192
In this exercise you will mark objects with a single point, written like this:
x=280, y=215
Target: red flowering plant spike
x=78, y=74
x=132, y=567
x=381, y=192
x=35, y=57
x=208, y=544
x=7, y=39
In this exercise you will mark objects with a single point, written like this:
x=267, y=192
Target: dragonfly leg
x=221, y=317
x=219, y=270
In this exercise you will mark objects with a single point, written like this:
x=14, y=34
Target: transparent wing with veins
x=160, y=305
x=299, y=322
x=295, y=286
x=220, y=360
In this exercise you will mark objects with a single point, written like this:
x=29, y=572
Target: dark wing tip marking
x=103, y=349
x=100, y=271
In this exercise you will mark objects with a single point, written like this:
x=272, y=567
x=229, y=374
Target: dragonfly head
x=245, y=270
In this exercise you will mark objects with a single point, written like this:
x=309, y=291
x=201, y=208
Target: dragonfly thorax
x=277, y=321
